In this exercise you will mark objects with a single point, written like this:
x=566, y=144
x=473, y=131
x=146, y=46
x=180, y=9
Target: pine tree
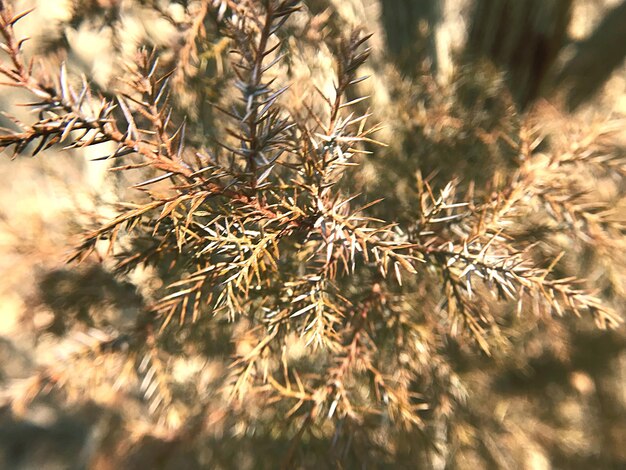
x=321, y=312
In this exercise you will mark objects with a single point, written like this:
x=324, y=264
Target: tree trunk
x=596, y=58
x=522, y=37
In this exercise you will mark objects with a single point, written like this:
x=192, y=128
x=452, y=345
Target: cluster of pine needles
x=334, y=319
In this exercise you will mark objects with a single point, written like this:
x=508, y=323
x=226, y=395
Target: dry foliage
x=332, y=315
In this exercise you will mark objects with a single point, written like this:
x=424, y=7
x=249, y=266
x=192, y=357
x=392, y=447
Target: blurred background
x=452, y=80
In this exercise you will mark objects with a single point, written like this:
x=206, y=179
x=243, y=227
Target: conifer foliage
x=332, y=318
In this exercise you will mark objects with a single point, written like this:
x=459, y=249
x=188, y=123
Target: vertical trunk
x=595, y=58
x=522, y=37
